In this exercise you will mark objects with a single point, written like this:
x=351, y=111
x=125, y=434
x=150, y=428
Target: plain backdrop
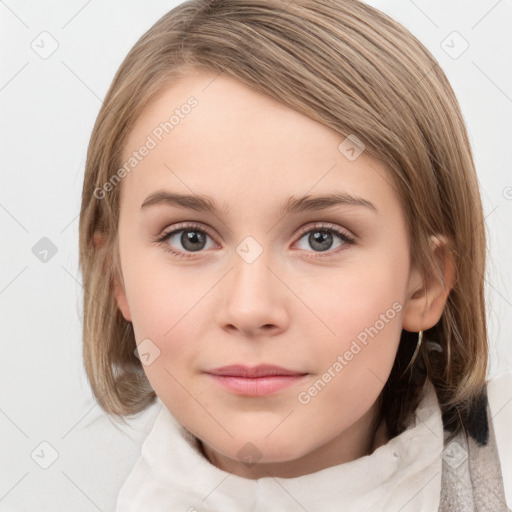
x=49, y=103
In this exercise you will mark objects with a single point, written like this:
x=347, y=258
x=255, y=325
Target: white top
x=404, y=474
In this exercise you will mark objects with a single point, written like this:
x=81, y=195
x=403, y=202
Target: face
x=245, y=271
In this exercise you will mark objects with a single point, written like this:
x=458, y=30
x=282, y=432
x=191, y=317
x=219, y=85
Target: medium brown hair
x=356, y=71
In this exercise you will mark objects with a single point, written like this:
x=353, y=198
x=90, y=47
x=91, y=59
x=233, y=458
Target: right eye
x=191, y=237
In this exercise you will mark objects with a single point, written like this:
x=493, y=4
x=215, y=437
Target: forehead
x=240, y=142
x=227, y=113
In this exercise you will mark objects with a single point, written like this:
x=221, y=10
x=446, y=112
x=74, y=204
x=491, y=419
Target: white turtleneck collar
x=404, y=474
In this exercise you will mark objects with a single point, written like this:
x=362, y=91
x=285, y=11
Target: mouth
x=260, y=380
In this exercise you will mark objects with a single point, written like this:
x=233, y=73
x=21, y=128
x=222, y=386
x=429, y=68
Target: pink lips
x=256, y=381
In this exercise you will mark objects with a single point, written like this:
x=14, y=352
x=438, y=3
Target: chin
x=262, y=451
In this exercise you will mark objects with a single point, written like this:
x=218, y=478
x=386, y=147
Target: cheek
x=166, y=316
x=167, y=307
x=161, y=297
x=359, y=313
x=347, y=303
x=353, y=364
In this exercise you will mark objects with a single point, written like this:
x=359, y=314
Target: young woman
x=282, y=242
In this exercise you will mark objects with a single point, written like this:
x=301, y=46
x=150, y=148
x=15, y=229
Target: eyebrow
x=306, y=203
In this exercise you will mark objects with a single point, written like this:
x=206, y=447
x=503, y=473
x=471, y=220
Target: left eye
x=321, y=239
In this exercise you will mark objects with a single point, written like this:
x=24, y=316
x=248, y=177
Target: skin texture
x=295, y=305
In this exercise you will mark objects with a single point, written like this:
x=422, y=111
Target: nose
x=254, y=299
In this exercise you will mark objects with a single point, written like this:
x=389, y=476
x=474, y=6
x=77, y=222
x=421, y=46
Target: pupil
x=317, y=239
x=190, y=240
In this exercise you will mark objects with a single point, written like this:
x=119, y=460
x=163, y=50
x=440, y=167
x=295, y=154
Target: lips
x=257, y=381
x=263, y=370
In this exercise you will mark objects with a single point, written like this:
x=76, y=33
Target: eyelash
x=331, y=228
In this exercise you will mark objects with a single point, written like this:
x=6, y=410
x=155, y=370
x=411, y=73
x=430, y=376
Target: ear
x=119, y=291
x=122, y=301
x=426, y=299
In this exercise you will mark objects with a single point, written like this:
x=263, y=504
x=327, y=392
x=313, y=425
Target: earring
x=420, y=338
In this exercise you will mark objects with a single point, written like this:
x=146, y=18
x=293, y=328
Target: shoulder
x=499, y=394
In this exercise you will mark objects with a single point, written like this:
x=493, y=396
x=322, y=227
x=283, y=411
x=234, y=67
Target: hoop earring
x=420, y=338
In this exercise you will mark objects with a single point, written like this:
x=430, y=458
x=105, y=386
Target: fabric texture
x=472, y=480
x=413, y=472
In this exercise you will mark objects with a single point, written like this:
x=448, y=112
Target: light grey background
x=49, y=104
